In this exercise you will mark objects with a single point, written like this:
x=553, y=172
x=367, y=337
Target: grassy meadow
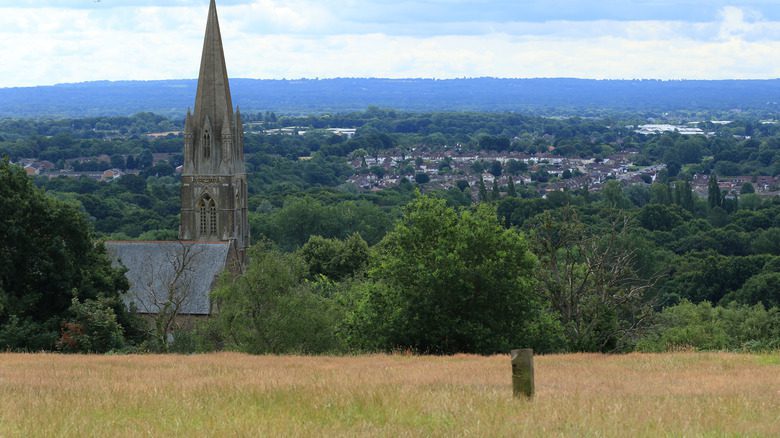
x=228, y=394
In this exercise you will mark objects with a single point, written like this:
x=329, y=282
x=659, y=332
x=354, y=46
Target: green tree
x=763, y=288
x=92, y=328
x=483, y=194
x=333, y=258
x=511, y=191
x=444, y=282
x=747, y=188
x=47, y=258
x=714, y=198
x=659, y=194
x=422, y=178
x=591, y=279
x=271, y=309
x=495, y=194
x=614, y=196
x=496, y=168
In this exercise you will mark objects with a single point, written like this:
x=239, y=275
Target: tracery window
x=213, y=214
x=207, y=211
x=206, y=144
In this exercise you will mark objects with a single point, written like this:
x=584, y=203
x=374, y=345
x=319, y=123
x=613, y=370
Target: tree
x=659, y=194
x=747, y=188
x=145, y=159
x=443, y=282
x=763, y=288
x=483, y=194
x=614, y=196
x=591, y=280
x=495, y=168
x=495, y=195
x=422, y=178
x=684, y=195
x=47, y=258
x=92, y=328
x=333, y=258
x=169, y=289
x=515, y=167
x=272, y=309
x=118, y=161
x=511, y=191
x=714, y=198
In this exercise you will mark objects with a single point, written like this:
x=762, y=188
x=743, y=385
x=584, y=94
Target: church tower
x=213, y=183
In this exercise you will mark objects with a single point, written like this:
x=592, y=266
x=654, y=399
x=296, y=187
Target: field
x=681, y=394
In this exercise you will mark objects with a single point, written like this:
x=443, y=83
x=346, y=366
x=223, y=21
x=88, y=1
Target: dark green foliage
x=709, y=277
x=422, y=178
x=47, y=257
x=496, y=168
x=511, y=191
x=444, y=282
x=333, y=258
x=763, y=288
x=299, y=218
x=714, y=197
x=659, y=217
x=614, y=196
x=483, y=194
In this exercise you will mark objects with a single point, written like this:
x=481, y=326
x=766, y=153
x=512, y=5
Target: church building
x=214, y=230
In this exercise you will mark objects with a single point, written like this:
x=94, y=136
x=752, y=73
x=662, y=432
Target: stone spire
x=214, y=188
x=213, y=96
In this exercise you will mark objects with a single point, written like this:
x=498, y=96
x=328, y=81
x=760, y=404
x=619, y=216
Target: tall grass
x=678, y=394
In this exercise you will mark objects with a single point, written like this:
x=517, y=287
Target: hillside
x=172, y=97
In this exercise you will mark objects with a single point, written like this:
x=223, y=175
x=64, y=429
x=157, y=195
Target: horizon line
x=465, y=78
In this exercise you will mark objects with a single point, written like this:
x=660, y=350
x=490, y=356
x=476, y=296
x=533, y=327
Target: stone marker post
x=523, y=372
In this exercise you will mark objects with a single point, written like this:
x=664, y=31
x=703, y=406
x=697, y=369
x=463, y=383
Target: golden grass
x=680, y=394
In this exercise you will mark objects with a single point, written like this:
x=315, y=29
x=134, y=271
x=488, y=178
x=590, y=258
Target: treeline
x=369, y=279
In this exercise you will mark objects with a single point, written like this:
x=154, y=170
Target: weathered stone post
x=523, y=372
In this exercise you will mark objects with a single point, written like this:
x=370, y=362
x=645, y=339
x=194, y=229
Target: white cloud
x=300, y=38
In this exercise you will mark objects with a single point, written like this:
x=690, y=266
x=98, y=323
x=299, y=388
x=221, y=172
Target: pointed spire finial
x=213, y=96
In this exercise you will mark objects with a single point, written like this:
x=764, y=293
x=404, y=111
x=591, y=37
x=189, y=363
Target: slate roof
x=185, y=271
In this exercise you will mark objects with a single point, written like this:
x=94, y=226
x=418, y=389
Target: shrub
x=706, y=327
x=93, y=328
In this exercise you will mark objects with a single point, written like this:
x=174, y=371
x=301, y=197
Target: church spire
x=213, y=95
x=214, y=189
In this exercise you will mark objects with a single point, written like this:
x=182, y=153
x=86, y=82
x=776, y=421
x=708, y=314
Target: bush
x=93, y=328
x=272, y=309
x=706, y=327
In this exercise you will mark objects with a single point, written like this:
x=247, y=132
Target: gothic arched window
x=206, y=144
x=213, y=217
x=207, y=212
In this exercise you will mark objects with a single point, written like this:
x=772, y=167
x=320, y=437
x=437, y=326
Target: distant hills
x=172, y=97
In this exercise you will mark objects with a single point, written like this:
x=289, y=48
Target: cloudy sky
x=57, y=41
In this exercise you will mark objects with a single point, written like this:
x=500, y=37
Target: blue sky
x=49, y=41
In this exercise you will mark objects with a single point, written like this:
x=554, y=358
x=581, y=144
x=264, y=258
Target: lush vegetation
x=57, y=287
x=657, y=264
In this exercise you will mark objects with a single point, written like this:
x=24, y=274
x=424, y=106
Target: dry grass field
x=682, y=394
